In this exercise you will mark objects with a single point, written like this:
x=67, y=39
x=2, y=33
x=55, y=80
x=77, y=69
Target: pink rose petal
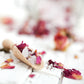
x=38, y=60
x=31, y=75
x=21, y=46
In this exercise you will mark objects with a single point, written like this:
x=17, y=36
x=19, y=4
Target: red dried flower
x=21, y=46
x=40, y=28
x=38, y=60
x=72, y=74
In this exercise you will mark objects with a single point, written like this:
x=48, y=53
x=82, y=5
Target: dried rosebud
x=60, y=41
x=65, y=31
x=7, y=66
x=9, y=60
x=38, y=60
x=72, y=74
x=40, y=28
x=21, y=46
x=31, y=75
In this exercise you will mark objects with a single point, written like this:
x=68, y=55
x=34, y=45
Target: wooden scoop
x=7, y=44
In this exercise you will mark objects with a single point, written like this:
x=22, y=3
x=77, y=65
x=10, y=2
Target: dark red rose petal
x=72, y=74
x=55, y=64
x=21, y=46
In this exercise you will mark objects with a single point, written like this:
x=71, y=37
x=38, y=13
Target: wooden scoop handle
x=7, y=44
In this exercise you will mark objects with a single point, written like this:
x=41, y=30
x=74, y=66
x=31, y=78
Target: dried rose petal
x=21, y=46
x=38, y=60
x=59, y=66
x=72, y=73
x=56, y=65
x=40, y=28
x=42, y=53
x=35, y=53
x=7, y=20
x=29, y=49
x=77, y=77
x=9, y=60
x=50, y=62
x=31, y=75
x=7, y=66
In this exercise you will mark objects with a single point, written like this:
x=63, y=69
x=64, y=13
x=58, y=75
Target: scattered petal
x=38, y=60
x=56, y=65
x=7, y=66
x=72, y=74
x=42, y=53
x=31, y=75
x=9, y=60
